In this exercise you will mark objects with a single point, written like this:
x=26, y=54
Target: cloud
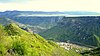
x=13, y=1
x=53, y=5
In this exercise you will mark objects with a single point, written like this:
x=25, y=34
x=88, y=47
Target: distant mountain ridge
x=53, y=12
x=40, y=21
x=36, y=23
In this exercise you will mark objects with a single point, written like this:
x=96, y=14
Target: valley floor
x=71, y=46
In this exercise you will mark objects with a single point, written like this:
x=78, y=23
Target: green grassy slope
x=17, y=42
x=93, y=52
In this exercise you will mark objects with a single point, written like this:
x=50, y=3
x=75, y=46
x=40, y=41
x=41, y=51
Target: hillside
x=4, y=21
x=93, y=52
x=80, y=30
x=16, y=42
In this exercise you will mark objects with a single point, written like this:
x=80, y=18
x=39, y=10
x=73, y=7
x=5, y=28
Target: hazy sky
x=51, y=5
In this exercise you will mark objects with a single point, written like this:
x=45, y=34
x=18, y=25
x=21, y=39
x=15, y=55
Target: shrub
x=19, y=47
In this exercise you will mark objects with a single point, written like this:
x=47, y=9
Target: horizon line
x=48, y=11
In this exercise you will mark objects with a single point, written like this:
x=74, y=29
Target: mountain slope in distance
x=80, y=30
